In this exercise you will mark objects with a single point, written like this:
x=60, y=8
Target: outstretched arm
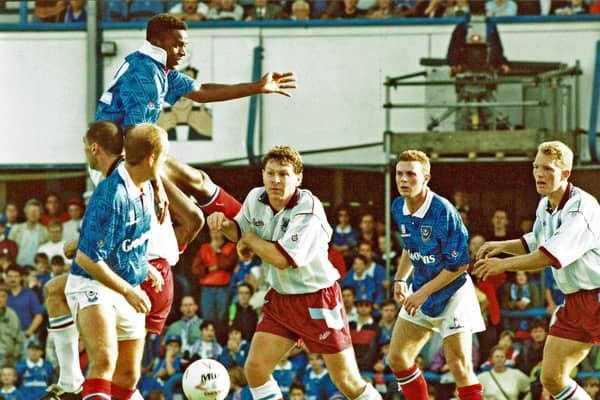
x=273, y=82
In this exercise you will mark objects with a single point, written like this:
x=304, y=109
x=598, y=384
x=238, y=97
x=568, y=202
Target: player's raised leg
x=198, y=184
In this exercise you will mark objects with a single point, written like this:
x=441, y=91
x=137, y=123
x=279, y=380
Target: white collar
x=154, y=52
x=132, y=190
x=31, y=364
x=420, y=213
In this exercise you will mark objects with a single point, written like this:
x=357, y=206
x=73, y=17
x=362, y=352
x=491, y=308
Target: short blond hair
x=560, y=151
x=144, y=140
x=418, y=156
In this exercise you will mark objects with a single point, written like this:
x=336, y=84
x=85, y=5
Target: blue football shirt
x=116, y=227
x=436, y=239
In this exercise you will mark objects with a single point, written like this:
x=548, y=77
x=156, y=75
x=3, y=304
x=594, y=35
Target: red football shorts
x=317, y=318
x=161, y=301
x=578, y=318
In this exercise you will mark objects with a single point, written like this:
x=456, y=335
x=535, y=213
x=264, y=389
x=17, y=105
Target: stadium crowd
x=219, y=297
x=73, y=11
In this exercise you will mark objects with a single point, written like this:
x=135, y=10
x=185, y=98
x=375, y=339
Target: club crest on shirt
x=454, y=253
x=284, y=224
x=426, y=231
x=151, y=105
x=100, y=243
x=92, y=296
x=295, y=237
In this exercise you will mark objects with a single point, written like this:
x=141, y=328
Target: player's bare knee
x=126, y=377
x=255, y=374
x=398, y=361
x=103, y=362
x=461, y=369
x=553, y=382
x=54, y=287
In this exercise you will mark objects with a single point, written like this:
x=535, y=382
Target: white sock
x=572, y=392
x=370, y=393
x=269, y=390
x=67, y=353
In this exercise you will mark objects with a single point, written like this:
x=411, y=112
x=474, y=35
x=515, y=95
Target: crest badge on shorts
x=426, y=231
x=92, y=296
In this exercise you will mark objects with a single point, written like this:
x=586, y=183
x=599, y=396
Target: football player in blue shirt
x=103, y=286
x=442, y=297
x=147, y=78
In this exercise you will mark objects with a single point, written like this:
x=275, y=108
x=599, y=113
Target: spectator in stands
x=49, y=10
x=500, y=8
x=170, y=364
x=595, y=8
x=227, y=10
x=240, y=274
x=316, y=381
x=384, y=9
x=297, y=391
x=239, y=385
x=30, y=234
x=241, y=314
x=263, y=10
x=457, y=8
x=190, y=10
x=574, y=7
x=55, y=244
x=71, y=227
x=500, y=226
x=300, y=10
x=207, y=346
x=142, y=10
x=35, y=373
x=382, y=255
x=357, y=277
x=76, y=12
x=521, y=295
x=532, y=350
x=25, y=303
x=7, y=245
x=591, y=385
x=430, y=9
x=213, y=264
x=9, y=378
x=365, y=334
x=367, y=232
x=11, y=334
x=375, y=271
x=506, y=341
x=188, y=327
x=389, y=311
x=53, y=210
x=348, y=10
x=501, y=382
x=11, y=211
x=344, y=238
x=349, y=299
x=236, y=350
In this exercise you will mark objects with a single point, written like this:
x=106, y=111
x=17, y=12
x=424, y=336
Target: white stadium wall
x=340, y=71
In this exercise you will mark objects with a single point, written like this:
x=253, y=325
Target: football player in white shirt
x=565, y=236
x=287, y=228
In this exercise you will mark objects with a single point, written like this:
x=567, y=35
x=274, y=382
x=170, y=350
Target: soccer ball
x=205, y=379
